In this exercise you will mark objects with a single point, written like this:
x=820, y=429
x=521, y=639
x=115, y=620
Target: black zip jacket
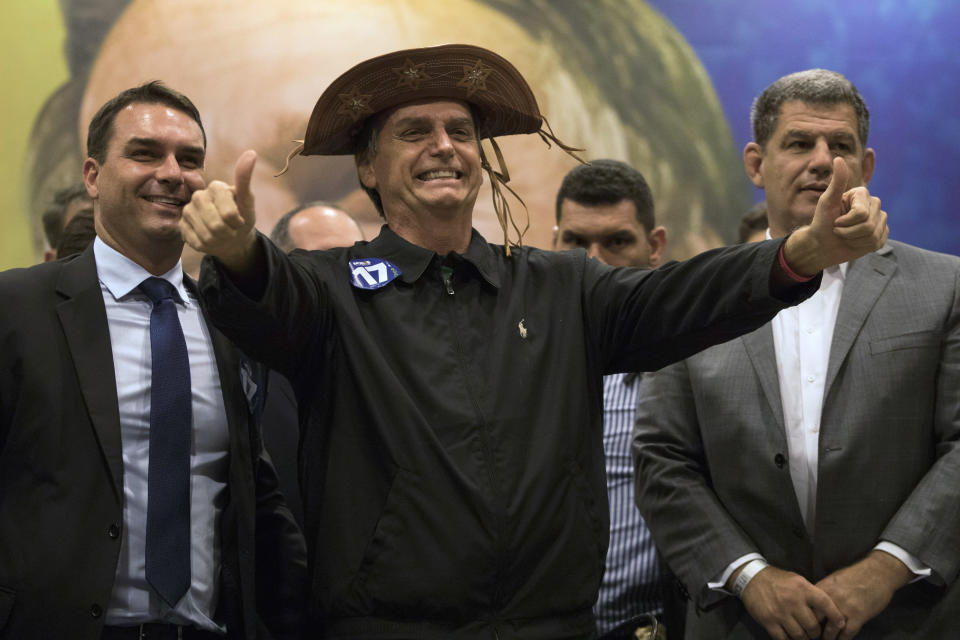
x=451, y=454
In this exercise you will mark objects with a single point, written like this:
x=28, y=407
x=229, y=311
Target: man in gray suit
x=803, y=480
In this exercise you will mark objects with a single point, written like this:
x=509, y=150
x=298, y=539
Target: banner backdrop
x=665, y=85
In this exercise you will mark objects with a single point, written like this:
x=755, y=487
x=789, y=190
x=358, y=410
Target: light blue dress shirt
x=128, y=317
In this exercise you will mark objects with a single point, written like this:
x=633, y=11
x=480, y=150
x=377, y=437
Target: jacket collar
x=413, y=260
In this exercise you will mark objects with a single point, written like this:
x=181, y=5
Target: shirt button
x=96, y=610
x=814, y=428
x=113, y=531
x=810, y=329
x=811, y=378
x=779, y=460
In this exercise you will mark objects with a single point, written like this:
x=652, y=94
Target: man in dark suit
x=134, y=497
x=803, y=478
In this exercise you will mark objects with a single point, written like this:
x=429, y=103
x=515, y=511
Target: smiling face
x=795, y=165
x=611, y=233
x=153, y=164
x=427, y=161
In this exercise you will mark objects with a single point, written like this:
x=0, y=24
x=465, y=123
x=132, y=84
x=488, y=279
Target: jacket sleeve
x=928, y=523
x=292, y=317
x=642, y=320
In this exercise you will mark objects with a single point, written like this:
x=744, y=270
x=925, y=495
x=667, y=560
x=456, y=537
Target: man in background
x=316, y=226
x=606, y=208
x=810, y=468
x=67, y=203
x=753, y=224
x=77, y=235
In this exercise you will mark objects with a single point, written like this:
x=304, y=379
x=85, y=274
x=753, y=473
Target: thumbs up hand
x=219, y=220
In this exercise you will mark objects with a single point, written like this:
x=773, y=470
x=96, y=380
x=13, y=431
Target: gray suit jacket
x=713, y=480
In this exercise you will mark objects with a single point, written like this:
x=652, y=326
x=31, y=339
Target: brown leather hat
x=503, y=101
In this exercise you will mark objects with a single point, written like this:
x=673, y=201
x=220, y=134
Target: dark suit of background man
x=75, y=419
x=607, y=209
x=314, y=226
x=825, y=444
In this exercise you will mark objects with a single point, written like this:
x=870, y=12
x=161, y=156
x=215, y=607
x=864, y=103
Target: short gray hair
x=813, y=86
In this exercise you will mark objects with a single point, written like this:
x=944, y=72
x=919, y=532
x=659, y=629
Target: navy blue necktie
x=168, y=477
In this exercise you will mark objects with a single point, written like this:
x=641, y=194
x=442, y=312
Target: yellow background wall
x=31, y=67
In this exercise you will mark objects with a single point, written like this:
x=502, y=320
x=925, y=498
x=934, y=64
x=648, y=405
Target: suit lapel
x=866, y=279
x=763, y=357
x=84, y=321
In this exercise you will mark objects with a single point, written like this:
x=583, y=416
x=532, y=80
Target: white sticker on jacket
x=372, y=273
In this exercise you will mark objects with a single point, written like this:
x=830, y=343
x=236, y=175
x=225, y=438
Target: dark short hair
x=155, y=92
x=604, y=182
x=755, y=219
x=77, y=235
x=280, y=234
x=54, y=214
x=813, y=86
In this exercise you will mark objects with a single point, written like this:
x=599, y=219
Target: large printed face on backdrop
x=255, y=71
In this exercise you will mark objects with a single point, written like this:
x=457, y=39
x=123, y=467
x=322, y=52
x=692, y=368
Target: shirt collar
x=413, y=260
x=121, y=275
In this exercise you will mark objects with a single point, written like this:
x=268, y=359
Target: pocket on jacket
x=592, y=527
x=423, y=543
x=7, y=596
x=916, y=340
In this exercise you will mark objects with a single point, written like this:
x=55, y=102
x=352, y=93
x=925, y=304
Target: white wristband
x=746, y=574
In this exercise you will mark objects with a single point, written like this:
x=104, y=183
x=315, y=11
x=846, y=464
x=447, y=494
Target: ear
x=752, y=162
x=868, y=163
x=365, y=172
x=91, y=171
x=658, y=245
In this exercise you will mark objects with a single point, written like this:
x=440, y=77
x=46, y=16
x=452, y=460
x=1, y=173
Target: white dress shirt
x=801, y=337
x=128, y=317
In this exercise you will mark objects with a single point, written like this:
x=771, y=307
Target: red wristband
x=788, y=271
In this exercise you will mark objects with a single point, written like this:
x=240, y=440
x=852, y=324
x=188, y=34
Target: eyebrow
x=421, y=122
x=803, y=133
x=151, y=142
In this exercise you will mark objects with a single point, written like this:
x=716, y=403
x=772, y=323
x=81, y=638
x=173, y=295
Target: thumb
x=243, y=172
x=832, y=199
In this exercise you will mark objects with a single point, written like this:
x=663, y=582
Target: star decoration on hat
x=475, y=77
x=410, y=74
x=355, y=104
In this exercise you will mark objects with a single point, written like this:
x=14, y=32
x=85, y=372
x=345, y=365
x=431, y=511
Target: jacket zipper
x=446, y=276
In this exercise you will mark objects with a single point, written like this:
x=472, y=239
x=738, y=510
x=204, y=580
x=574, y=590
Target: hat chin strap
x=286, y=163
x=548, y=136
x=499, y=180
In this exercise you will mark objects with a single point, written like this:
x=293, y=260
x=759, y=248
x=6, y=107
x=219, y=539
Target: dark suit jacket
x=713, y=483
x=61, y=476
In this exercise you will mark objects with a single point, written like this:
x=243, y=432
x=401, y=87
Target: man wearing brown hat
x=450, y=389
